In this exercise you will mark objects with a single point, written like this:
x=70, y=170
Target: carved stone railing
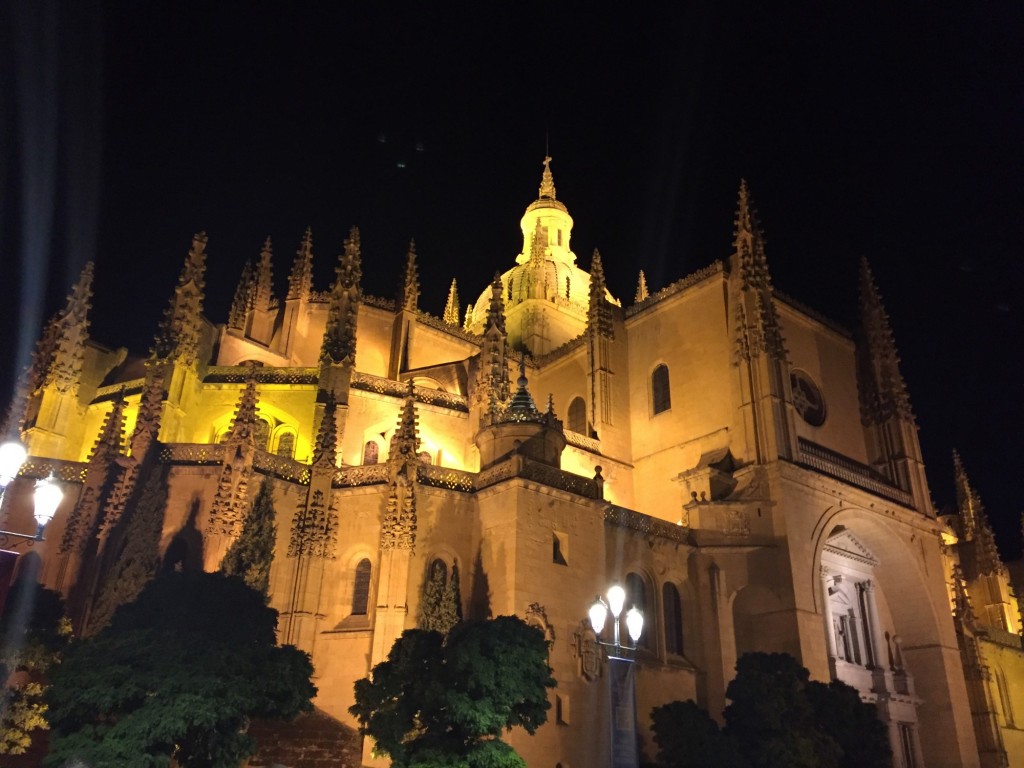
x=446, y=477
x=192, y=453
x=559, y=478
x=627, y=518
x=492, y=475
x=282, y=467
x=714, y=268
x=352, y=477
x=109, y=392
x=239, y=374
x=576, y=440
x=454, y=330
x=384, y=386
x=828, y=462
x=319, y=297
x=65, y=471
x=377, y=301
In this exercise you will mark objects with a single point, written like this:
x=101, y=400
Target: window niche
x=661, y=396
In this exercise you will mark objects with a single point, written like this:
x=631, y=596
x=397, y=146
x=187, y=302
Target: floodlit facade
x=747, y=469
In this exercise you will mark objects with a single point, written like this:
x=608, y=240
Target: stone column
x=830, y=630
x=877, y=641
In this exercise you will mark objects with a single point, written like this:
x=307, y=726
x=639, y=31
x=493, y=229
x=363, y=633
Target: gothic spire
x=976, y=527
x=178, y=336
x=547, y=182
x=884, y=394
x=244, y=298
x=300, y=281
x=749, y=258
x=641, y=288
x=339, y=343
x=263, y=294
x=410, y=280
x=405, y=442
x=468, y=323
x=599, y=318
x=451, y=307
x=65, y=369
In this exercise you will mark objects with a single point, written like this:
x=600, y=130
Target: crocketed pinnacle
x=547, y=182
x=749, y=257
x=976, y=527
x=496, y=308
x=300, y=280
x=243, y=423
x=411, y=280
x=325, y=450
x=111, y=437
x=883, y=391
x=65, y=368
x=244, y=298
x=263, y=298
x=405, y=442
x=147, y=421
x=339, y=343
x=641, y=288
x=599, y=318
x=962, y=608
x=179, y=333
x=451, y=307
x=538, y=244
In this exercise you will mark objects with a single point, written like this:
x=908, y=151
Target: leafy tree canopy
x=176, y=674
x=444, y=701
x=776, y=716
x=34, y=631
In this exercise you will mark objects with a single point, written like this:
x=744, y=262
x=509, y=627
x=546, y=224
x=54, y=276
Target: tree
x=444, y=701
x=776, y=716
x=34, y=631
x=177, y=674
x=251, y=554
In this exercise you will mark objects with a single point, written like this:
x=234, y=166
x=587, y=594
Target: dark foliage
x=252, y=553
x=440, y=701
x=176, y=674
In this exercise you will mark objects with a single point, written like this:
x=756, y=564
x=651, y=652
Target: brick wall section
x=313, y=740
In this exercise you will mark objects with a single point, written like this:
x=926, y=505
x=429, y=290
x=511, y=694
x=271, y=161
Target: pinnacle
x=411, y=280
x=451, y=307
x=405, y=440
x=326, y=448
x=547, y=182
x=300, y=280
x=641, y=288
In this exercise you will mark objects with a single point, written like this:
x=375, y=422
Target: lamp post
x=47, y=496
x=621, y=672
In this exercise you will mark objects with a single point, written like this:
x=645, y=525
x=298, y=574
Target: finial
x=641, y=288
x=451, y=307
x=522, y=381
x=547, y=181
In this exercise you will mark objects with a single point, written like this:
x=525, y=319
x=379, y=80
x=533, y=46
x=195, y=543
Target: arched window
x=286, y=445
x=262, y=433
x=636, y=595
x=371, y=452
x=673, y=619
x=661, y=398
x=578, y=416
x=361, y=588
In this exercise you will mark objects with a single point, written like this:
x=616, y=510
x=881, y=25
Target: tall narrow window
x=371, y=452
x=286, y=445
x=578, y=416
x=660, y=395
x=673, y=619
x=262, y=433
x=636, y=595
x=361, y=588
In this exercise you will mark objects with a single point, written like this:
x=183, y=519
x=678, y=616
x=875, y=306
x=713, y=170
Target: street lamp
x=598, y=613
x=47, y=496
x=621, y=673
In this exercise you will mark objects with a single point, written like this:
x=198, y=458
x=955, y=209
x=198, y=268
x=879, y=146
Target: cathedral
x=746, y=468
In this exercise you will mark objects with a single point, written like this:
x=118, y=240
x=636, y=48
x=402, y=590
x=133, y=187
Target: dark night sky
x=890, y=134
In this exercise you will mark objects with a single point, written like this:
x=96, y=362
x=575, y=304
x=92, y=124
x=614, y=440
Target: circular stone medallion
x=807, y=398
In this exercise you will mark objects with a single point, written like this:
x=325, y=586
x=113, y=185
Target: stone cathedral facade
x=749, y=470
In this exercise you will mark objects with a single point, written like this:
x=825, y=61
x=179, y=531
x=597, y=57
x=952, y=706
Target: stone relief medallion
x=807, y=398
x=587, y=652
